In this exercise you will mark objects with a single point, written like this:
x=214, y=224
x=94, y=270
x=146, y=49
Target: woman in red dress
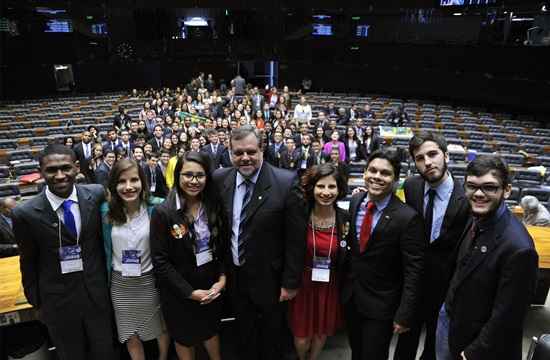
x=315, y=312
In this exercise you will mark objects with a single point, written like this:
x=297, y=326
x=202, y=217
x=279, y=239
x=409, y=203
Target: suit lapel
x=85, y=203
x=229, y=192
x=455, y=204
x=261, y=191
x=49, y=218
x=354, y=211
x=485, y=245
x=385, y=219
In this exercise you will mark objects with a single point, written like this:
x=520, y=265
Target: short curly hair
x=315, y=173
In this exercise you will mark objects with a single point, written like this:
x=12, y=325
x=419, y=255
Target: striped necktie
x=249, y=186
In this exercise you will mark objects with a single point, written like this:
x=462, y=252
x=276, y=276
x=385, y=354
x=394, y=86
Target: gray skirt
x=136, y=304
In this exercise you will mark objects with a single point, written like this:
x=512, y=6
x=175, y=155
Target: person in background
x=353, y=146
x=371, y=142
x=188, y=242
x=381, y=291
x=334, y=158
x=335, y=142
x=155, y=178
x=122, y=120
x=495, y=276
x=398, y=117
x=302, y=113
x=84, y=154
x=62, y=259
x=534, y=213
x=8, y=245
x=316, y=312
x=102, y=171
x=69, y=142
x=125, y=227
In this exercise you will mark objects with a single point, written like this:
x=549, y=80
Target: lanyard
x=314, y=246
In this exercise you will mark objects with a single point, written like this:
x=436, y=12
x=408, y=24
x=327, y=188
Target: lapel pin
x=343, y=243
x=55, y=224
x=260, y=197
x=484, y=249
x=387, y=217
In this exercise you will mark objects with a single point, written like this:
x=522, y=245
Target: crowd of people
x=216, y=195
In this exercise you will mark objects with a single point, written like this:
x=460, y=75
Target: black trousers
x=260, y=326
x=82, y=330
x=369, y=339
x=407, y=344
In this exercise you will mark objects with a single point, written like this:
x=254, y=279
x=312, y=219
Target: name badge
x=131, y=263
x=204, y=253
x=153, y=187
x=321, y=269
x=70, y=258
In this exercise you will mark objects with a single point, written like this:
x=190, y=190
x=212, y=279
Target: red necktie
x=366, y=226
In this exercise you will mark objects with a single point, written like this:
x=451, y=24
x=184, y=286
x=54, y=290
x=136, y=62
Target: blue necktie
x=249, y=187
x=68, y=217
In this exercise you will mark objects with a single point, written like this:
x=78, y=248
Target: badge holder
x=131, y=263
x=204, y=253
x=70, y=257
x=320, y=271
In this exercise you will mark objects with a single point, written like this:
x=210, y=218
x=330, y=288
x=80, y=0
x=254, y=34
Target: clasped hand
x=207, y=296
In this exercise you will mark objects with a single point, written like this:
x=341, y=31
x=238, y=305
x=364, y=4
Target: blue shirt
x=240, y=190
x=441, y=200
x=378, y=209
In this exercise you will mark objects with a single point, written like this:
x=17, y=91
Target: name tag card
x=131, y=263
x=204, y=253
x=70, y=258
x=321, y=269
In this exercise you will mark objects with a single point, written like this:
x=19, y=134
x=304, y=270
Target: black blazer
x=291, y=160
x=441, y=254
x=384, y=281
x=82, y=161
x=153, y=143
x=161, y=190
x=102, y=174
x=359, y=152
x=216, y=158
x=36, y=227
x=275, y=228
x=174, y=259
x=490, y=294
x=372, y=147
x=274, y=157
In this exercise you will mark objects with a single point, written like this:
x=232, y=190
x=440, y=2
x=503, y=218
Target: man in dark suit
x=495, y=276
x=84, y=153
x=122, y=119
x=8, y=246
x=102, y=172
x=275, y=151
x=63, y=261
x=267, y=250
x=158, y=138
x=291, y=157
x=113, y=142
x=380, y=294
x=440, y=198
x=214, y=149
x=155, y=178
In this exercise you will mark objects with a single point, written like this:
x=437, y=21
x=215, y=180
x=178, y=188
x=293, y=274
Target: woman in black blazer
x=188, y=232
x=353, y=145
x=371, y=142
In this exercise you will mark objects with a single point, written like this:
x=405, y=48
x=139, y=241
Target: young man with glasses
x=441, y=201
x=495, y=277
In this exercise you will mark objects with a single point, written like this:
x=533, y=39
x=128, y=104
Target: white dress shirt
x=56, y=203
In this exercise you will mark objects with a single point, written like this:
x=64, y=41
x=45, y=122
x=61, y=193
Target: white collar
x=56, y=201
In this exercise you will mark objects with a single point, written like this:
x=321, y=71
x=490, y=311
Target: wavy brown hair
x=117, y=213
x=314, y=174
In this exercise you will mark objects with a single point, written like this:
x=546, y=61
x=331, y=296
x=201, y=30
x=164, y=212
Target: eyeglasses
x=189, y=176
x=487, y=189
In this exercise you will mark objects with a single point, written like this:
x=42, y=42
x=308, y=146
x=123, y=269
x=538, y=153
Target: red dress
x=316, y=309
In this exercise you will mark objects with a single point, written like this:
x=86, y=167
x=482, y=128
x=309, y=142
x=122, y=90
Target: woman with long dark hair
x=190, y=230
x=315, y=312
x=126, y=226
x=353, y=145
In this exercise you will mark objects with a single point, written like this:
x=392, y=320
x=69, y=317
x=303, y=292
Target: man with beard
x=266, y=248
x=495, y=277
x=441, y=201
